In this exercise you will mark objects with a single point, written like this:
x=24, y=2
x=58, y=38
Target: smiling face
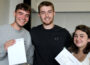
x=47, y=15
x=21, y=17
x=80, y=39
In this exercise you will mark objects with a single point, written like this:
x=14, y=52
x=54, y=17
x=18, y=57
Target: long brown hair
x=85, y=29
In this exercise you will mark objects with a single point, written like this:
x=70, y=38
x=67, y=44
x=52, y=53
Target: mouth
x=78, y=43
x=22, y=21
x=47, y=18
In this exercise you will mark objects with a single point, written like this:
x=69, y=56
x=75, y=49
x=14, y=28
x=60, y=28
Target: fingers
x=8, y=44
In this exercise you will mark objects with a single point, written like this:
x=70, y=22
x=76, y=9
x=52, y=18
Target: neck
x=48, y=26
x=81, y=50
x=15, y=26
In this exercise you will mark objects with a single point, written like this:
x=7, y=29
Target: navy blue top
x=48, y=43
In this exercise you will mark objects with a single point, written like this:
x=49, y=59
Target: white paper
x=66, y=58
x=16, y=53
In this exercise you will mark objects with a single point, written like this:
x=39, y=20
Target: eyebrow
x=80, y=34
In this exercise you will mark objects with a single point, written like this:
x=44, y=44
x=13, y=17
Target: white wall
x=4, y=11
x=66, y=5
x=13, y=4
x=7, y=8
x=66, y=20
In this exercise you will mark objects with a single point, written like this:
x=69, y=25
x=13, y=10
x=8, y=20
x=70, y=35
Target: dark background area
x=28, y=25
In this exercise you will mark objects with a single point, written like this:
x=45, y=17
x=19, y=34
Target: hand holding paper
x=16, y=53
x=66, y=58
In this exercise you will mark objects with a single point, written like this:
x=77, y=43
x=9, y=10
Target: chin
x=78, y=46
x=47, y=23
x=21, y=25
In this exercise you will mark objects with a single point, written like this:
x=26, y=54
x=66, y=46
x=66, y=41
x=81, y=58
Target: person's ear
x=89, y=40
x=54, y=13
x=13, y=13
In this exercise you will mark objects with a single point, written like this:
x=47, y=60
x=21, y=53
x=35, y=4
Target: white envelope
x=66, y=58
x=16, y=53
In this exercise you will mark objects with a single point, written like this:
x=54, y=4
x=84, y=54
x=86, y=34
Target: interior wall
x=13, y=4
x=4, y=9
x=65, y=5
x=66, y=20
x=7, y=8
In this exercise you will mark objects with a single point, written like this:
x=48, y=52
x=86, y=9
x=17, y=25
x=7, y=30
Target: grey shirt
x=7, y=32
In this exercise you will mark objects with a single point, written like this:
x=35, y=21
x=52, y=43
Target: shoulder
x=64, y=33
x=26, y=31
x=61, y=29
x=5, y=26
x=36, y=28
x=89, y=54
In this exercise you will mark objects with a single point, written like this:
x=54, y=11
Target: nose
x=78, y=38
x=47, y=14
x=23, y=16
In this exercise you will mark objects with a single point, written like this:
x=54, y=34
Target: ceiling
x=65, y=5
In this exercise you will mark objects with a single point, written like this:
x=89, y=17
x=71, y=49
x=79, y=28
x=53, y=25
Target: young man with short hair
x=48, y=38
x=10, y=32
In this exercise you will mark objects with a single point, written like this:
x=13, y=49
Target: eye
x=81, y=36
x=27, y=15
x=75, y=35
x=20, y=13
x=42, y=12
x=50, y=11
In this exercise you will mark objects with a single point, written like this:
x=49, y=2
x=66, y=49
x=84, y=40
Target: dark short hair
x=85, y=29
x=45, y=3
x=23, y=6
